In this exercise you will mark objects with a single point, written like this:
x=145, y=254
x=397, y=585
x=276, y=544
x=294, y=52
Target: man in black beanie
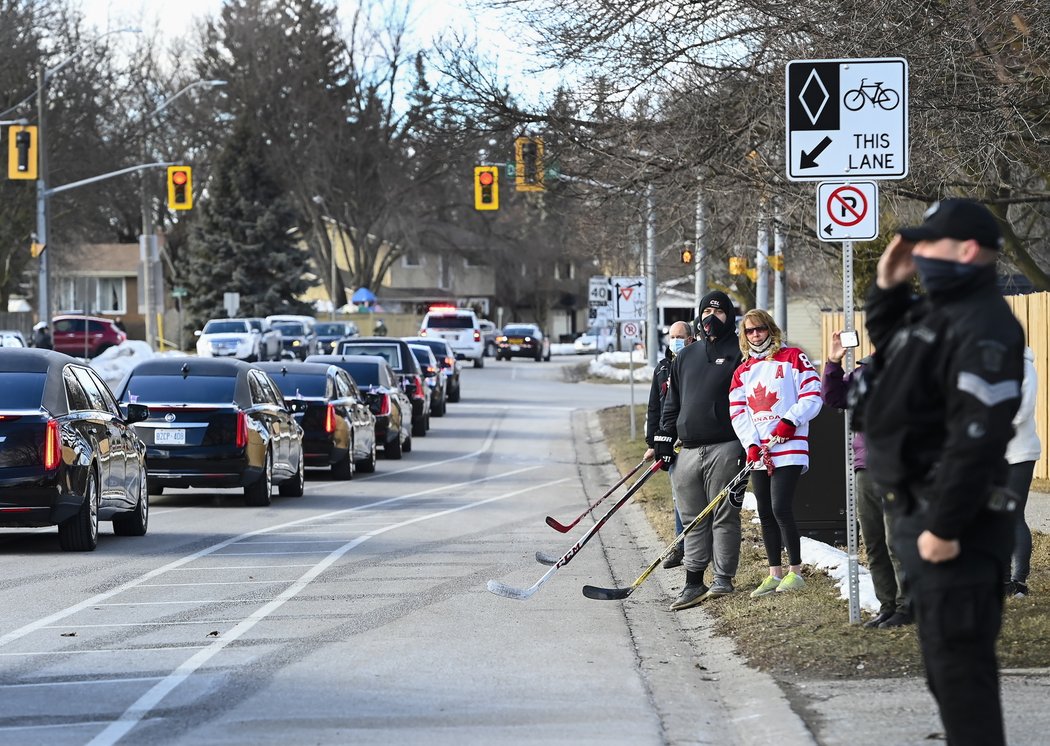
x=696, y=411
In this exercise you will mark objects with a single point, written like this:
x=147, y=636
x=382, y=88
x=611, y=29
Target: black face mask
x=713, y=327
x=941, y=274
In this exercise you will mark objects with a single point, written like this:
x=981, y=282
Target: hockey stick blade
x=561, y=527
x=502, y=589
x=546, y=559
x=606, y=594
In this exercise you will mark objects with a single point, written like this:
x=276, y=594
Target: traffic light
x=21, y=152
x=528, y=162
x=180, y=188
x=687, y=255
x=486, y=187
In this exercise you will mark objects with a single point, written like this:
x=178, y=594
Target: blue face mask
x=940, y=274
x=677, y=345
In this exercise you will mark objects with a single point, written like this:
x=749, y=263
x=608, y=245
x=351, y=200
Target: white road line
x=95, y=600
x=175, y=603
x=108, y=651
x=129, y=680
x=230, y=582
x=241, y=567
x=142, y=707
x=144, y=624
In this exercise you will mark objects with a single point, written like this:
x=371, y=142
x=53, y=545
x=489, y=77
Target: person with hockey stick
x=679, y=336
x=696, y=411
x=774, y=395
x=948, y=368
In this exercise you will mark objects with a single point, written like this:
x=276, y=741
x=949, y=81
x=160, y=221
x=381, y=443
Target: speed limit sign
x=630, y=329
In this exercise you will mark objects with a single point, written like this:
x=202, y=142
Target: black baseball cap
x=961, y=219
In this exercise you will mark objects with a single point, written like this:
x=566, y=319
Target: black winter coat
x=696, y=408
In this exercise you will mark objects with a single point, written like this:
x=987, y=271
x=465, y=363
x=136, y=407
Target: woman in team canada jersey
x=774, y=394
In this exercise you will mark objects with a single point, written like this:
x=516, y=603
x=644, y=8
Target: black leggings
x=778, y=518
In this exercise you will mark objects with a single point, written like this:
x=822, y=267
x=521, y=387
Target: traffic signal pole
x=43, y=269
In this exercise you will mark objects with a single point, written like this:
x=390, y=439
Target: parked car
x=446, y=359
x=401, y=359
x=216, y=423
x=269, y=338
x=296, y=341
x=84, y=336
x=379, y=385
x=596, y=339
x=12, y=338
x=339, y=430
x=433, y=378
x=523, y=340
x=489, y=332
x=460, y=328
x=330, y=332
x=230, y=338
x=68, y=455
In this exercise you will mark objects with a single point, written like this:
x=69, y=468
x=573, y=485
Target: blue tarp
x=363, y=295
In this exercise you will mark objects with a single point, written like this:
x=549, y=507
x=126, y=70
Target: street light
x=43, y=76
x=148, y=248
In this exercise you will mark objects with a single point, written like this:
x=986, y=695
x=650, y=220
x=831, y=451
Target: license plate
x=169, y=437
x=515, y=348
x=450, y=336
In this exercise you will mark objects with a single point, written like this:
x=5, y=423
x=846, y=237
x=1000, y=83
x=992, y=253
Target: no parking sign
x=847, y=211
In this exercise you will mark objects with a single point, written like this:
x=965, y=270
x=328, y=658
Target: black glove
x=663, y=444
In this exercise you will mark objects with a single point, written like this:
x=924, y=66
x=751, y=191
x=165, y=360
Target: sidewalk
x=1037, y=512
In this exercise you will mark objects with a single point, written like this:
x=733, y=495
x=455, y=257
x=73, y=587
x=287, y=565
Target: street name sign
x=846, y=119
x=847, y=211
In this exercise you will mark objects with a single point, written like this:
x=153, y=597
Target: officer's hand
x=663, y=444
x=649, y=454
x=933, y=548
x=895, y=265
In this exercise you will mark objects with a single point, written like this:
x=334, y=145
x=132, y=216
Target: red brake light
x=329, y=419
x=450, y=362
x=419, y=387
x=52, y=446
x=477, y=336
x=242, y=430
x=384, y=405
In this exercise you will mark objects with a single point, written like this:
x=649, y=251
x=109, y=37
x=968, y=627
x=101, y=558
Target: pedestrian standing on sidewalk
x=1021, y=454
x=947, y=383
x=679, y=336
x=774, y=395
x=696, y=411
x=894, y=610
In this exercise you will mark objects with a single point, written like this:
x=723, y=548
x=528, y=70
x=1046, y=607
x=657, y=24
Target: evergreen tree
x=246, y=239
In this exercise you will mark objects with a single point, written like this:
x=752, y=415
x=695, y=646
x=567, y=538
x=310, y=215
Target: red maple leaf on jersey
x=761, y=400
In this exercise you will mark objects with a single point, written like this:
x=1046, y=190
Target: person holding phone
x=894, y=609
x=948, y=367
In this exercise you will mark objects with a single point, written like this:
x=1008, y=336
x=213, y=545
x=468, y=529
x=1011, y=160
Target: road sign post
x=847, y=211
x=846, y=119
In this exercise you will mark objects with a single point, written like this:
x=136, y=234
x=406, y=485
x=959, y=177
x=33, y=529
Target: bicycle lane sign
x=846, y=119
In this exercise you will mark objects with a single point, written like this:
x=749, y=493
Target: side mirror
x=137, y=413
x=197, y=333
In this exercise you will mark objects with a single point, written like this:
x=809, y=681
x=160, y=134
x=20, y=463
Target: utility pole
x=652, y=341
x=779, y=284
x=43, y=269
x=700, y=254
x=762, y=264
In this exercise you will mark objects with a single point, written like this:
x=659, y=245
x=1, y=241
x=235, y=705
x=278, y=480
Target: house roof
x=108, y=260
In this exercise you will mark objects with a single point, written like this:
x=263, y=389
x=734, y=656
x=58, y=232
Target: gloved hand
x=754, y=455
x=663, y=444
x=784, y=431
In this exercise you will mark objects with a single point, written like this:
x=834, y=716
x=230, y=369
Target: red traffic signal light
x=180, y=187
x=687, y=256
x=486, y=188
x=485, y=178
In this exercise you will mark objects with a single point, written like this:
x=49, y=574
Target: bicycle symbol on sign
x=885, y=98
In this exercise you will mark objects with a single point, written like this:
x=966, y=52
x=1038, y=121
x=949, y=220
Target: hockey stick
x=501, y=589
x=615, y=594
x=564, y=529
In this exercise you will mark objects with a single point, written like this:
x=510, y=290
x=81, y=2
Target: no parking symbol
x=847, y=211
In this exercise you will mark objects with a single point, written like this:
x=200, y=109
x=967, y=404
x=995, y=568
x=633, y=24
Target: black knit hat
x=717, y=299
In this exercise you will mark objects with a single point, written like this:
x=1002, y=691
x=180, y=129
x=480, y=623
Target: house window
x=93, y=294
x=564, y=271
x=110, y=296
x=444, y=273
x=411, y=258
x=469, y=261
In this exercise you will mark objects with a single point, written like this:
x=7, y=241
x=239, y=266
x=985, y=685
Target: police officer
x=696, y=411
x=679, y=335
x=947, y=382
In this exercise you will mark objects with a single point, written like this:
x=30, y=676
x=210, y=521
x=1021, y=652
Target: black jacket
x=696, y=408
x=656, y=396
x=948, y=370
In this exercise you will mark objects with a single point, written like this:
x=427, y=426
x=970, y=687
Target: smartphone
x=849, y=340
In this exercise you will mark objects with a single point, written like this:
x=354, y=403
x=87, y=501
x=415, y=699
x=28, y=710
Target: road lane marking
x=179, y=563
x=145, y=704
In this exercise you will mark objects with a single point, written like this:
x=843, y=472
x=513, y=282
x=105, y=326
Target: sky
x=430, y=18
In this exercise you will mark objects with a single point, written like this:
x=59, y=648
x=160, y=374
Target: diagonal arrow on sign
x=809, y=160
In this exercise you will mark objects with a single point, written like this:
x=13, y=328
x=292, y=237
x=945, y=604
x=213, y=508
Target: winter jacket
x=948, y=369
x=766, y=390
x=1025, y=445
x=833, y=388
x=696, y=408
x=656, y=396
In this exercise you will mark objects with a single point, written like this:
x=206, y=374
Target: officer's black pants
x=958, y=606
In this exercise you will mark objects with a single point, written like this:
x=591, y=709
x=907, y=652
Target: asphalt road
x=359, y=613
